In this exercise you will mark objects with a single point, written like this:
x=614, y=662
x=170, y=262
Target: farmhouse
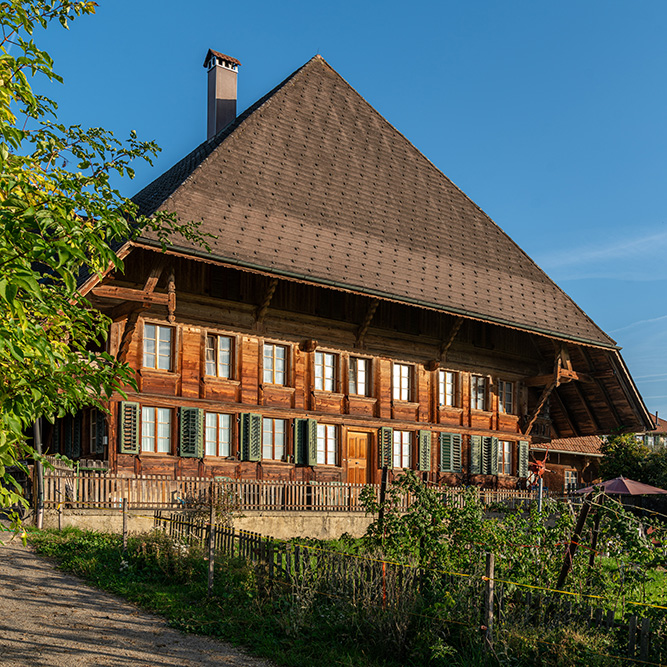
x=355, y=311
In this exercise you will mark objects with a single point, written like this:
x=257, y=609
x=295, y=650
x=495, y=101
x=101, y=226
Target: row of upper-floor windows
x=158, y=354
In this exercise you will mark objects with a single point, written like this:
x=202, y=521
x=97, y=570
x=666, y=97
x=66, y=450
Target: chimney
x=221, y=105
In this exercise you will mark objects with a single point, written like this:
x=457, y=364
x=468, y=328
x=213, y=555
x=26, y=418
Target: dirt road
x=51, y=618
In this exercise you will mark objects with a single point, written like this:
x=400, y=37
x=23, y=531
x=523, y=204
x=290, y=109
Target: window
x=327, y=444
x=402, y=386
x=218, y=434
x=360, y=376
x=156, y=430
x=447, y=388
x=325, y=371
x=478, y=392
x=157, y=347
x=219, y=356
x=402, y=454
x=506, y=397
x=273, y=439
x=504, y=457
x=275, y=364
x=570, y=481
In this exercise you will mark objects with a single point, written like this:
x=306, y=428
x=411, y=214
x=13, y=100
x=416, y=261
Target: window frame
x=354, y=373
x=571, y=471
x=334, y=367
x=328, y=449
x=502, y=397
x=410, y=389
x=505, y=457
x=272, y=370
x=474, y=392
x=218, y=429
x=172, y=346
x=404, y=449
x=272, y=444
x=442, y=388
x=231, y=352
x=155, y=437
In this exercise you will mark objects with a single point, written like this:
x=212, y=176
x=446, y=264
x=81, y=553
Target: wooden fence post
x=124, y=525
x=632, y=635
x=644, y=636
x=211, y=548
x=487, y=626
x=60, y=516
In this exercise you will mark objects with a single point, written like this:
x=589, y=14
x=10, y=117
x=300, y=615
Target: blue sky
x=550, y=116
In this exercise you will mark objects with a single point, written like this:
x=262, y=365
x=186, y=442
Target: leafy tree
x=58, y=214
x=623, y=455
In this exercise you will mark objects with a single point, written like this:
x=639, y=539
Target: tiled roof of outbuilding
x=312, y=182
x=589, y=444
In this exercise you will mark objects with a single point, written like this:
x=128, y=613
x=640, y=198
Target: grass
x=296, y=626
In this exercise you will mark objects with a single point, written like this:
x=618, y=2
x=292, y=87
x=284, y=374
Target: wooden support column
x=171, y=298
x=363, y=328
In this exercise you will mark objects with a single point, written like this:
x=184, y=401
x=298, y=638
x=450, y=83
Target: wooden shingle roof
x=311, y=182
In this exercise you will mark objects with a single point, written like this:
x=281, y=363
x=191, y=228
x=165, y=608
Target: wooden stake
x=487, y=628
x=211, y=549
x=124, y=525
x=574, y=542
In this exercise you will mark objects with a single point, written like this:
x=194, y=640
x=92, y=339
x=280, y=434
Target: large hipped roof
x=311, y=182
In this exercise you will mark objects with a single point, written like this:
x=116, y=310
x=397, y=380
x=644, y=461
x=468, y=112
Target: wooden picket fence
x=99, y=490
x=371, y=582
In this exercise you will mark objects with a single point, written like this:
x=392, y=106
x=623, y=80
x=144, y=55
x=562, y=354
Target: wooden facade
x=355, y=311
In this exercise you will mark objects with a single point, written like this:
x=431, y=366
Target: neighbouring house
x=570, y=463
x=355, y=311
x=657, y=437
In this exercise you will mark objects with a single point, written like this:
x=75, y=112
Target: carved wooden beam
x=129, y=294
x=540, y=404
x=597, y=375
x=566, y=414
x=128, y=333
x=563, y=376
x=447, y=343
x=263, y=308
x=171, y=297
x=587, y=407
x=363, y=329
x=154, y=275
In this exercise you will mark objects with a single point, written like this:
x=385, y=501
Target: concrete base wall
x=281, y=525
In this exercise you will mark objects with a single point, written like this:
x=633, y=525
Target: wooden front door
x=358, y=454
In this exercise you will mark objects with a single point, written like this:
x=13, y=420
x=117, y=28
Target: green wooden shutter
x=305, y=442
x=475, y=454
x=128, y=431
x=424, y=450
x=100, y=431
x=191, y=433
x=446, y=464
x=450, y=452
x=523, y=458
x=250, y=436
x=490, y=456
x=77, y=423
x=385, y=442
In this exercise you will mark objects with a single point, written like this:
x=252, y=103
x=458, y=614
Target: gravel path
x=51, y=618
